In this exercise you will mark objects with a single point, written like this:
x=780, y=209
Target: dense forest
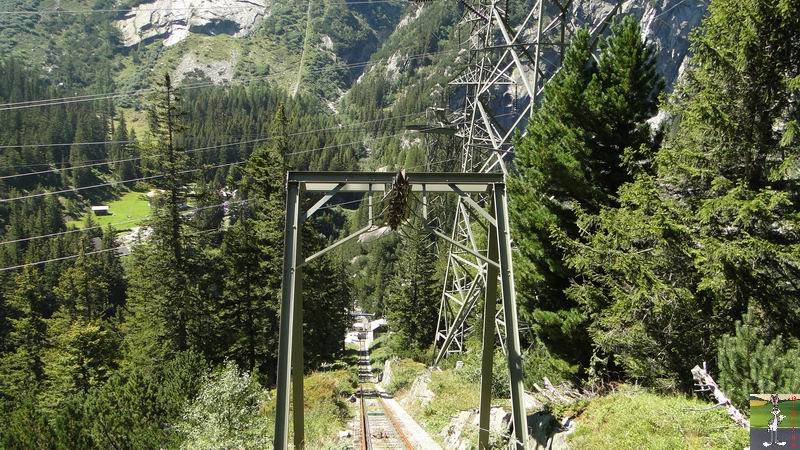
x=652, y=231
x=87, y=333
x=647, y=249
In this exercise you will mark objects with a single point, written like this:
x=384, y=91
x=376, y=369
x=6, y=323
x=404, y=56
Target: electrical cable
x=94, y=97
x=103, y=162
x=100, y=227
x=93, y=252
x=153, y=177
x=227, y=203
x=260, y=139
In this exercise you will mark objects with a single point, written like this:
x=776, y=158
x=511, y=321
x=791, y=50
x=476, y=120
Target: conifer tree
x=83, y=290
x=163, y=290
x=621, y=96
x=748, y=364
x=22, y=367
x=83, y=340
x=702, y=239
x=78, y=156
x=130, y=168
x=167, y=161
x=253, y=256
x=571, y=160
x=114, y=273
x=118, y=149
x=412, y=302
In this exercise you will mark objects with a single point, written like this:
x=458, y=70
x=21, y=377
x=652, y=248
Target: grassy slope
x=451, y=396
x=635, y=419
x=131, y=209
x=629, y=419
x=326, y=408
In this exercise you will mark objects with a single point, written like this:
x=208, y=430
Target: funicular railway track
x=379, y=429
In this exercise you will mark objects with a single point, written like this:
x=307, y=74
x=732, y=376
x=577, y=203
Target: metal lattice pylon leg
x=504, y=58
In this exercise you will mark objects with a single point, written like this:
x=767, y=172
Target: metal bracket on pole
x=325, y=199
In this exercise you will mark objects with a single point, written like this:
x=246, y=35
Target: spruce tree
x=412, y=303
x=748, y=364
x=22, y=367
x=571, y=160
x=83, y=338
x=247, y=317
x=78, y=156
x=703, y=237
x=128, y=170
x=621, y=97
x=118, y=150
x=163, y=284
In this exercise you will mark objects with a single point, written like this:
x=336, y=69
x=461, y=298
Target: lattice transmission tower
x=509, y=64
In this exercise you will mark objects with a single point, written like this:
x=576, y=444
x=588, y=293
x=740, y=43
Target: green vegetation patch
x=451, y=396
x=636, y=419
x=404, y=372
x=125, y=213
x=326, y=407
x=380, y=351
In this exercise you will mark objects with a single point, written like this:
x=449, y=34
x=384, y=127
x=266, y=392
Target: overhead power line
x=123, y=222
x=154, y=177
x=299, y=133
x=64, y=258
x=103, y=162
x=233, y=202
x=64, y=144
x=115, y=183
x=93, y=252
x=89, y=98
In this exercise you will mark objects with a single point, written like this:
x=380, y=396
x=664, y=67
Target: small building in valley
x=101, y=210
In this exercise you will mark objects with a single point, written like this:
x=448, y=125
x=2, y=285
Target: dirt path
x=303, y=55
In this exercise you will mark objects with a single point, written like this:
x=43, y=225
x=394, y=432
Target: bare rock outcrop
x=665, y=23
x=173, y=20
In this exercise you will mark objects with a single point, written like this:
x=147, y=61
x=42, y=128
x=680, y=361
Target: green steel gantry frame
x=498, y=261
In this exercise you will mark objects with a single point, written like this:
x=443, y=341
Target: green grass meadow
x=125, y=213
x=634, y=419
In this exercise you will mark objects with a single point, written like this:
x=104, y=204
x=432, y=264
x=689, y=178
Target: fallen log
x=707, y=384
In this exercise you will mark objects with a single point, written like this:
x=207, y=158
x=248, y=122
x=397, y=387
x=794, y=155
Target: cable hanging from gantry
x=398, y=200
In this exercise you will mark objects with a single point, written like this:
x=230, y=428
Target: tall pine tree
x=572, y=160
x=708, y=233
x=163, y=283
x=412, y=303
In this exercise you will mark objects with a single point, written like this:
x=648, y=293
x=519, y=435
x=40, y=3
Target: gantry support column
x=291, y=312
x=510, y=315
x=487, y=357
x=298, y=363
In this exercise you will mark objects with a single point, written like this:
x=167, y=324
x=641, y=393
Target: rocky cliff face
x=665, y=23
x=173, y=20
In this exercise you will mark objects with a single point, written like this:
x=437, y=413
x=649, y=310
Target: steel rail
x=395, y=424
x=365, y=437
